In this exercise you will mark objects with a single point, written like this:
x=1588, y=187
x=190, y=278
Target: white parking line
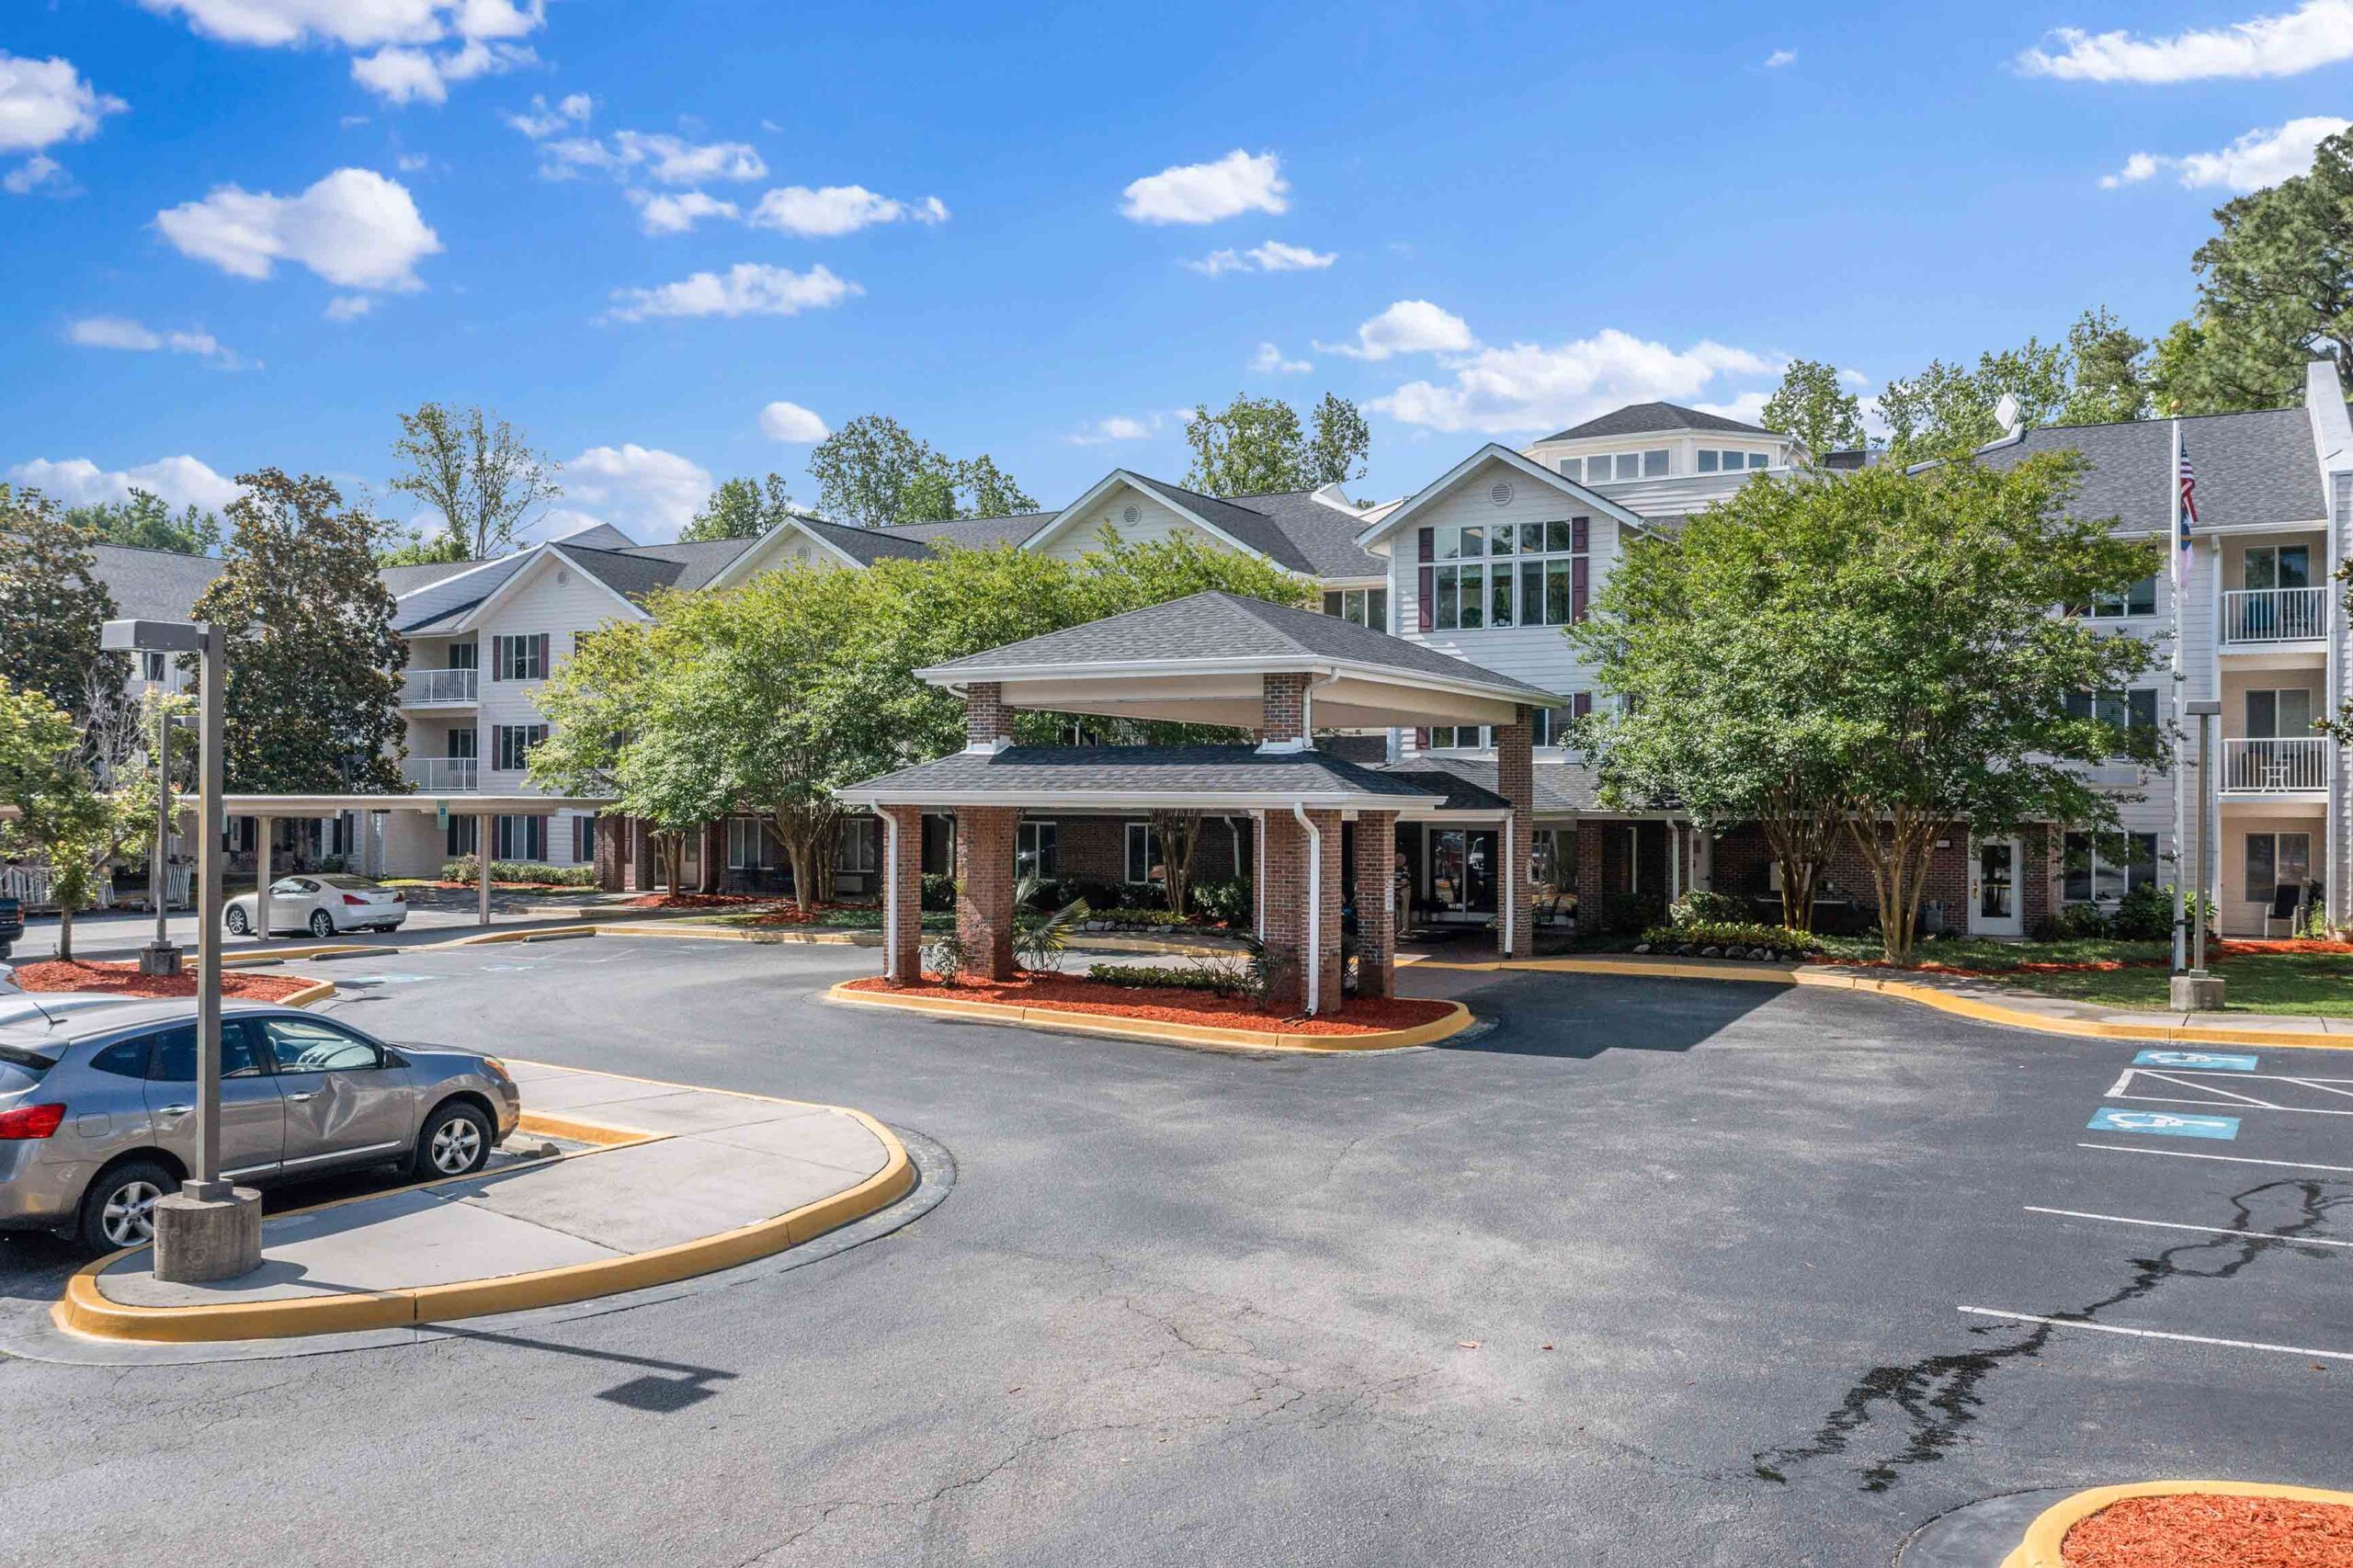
x=2232, y=1159
x=2160, y=1333
x=2210, y=1229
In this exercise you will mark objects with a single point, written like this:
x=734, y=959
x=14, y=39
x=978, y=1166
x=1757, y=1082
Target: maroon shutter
x=1578, y=581
x=1422, y=737
x=1581, y=704
x=1579, y=532
x=540, y=666
x=498, y=658
x=1429, y=547
x=1427, y=587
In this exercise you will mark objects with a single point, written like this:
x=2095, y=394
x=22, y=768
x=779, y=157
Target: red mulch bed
x=51, y=975
x=696, y=901
x=2194, y=1530
x=1171, y=1005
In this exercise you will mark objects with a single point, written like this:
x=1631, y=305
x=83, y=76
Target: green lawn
x=2311, y=985
x=1979, y=952
x=830, y=920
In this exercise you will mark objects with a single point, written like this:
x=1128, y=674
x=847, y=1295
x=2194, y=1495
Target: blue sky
x=248, y=231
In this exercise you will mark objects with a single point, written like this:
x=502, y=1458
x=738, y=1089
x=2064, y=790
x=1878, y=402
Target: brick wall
x=1515, y=781
x=1376, y=855
x=612, y=852
x=904, y=961
x=1283, y=713
x=986, y=717
x=1744, y=860
x=1285, y=892
x=984, y=878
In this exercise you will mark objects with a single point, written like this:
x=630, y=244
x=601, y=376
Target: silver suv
x=97, y=1094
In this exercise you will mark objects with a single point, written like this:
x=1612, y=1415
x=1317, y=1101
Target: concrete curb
x=2282, y=1038
x=1455, y=1021
x=85, y=1312
x=2044, y=1537
x=317, y=991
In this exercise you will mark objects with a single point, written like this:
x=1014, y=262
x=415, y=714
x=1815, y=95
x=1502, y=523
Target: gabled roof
x=2250, y=468
x=154, y=585
x=405, y=580
x=1072, y=777
x=1575, y=491
x=1469, y=784
x=1655, y=418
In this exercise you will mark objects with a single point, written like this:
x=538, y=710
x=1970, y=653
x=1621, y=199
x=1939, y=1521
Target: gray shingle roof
x=403, y=580
x=631, y=575
x=1072, y=772
x=866, y=546
x=1212, y=625
x=2252, y=468
x=1643, y=419
x=969, y=533
x=1469, y=784
x=154, y=585
x=698, y=561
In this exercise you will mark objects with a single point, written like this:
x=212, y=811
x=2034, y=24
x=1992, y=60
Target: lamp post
x=2197, y=991
x=210, y=1228
x=160, y=956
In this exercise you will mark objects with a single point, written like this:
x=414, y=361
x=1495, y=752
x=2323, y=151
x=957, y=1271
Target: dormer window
x=1616, y=468
x=1713, y=460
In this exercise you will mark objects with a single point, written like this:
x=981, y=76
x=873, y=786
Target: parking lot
x=1647, y=1272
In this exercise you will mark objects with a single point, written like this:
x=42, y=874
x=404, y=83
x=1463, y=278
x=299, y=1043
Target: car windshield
x=360, y=882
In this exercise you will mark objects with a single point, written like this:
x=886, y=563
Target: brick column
x=902, y=879
x=1283, y=868
x=1590, y=849
x=1376, y=903
x=1283, y=709
x=1515, y=782
x=711, y=866
x=987, y=719
x=612, y=852
x=640, y=848
x=984, y=836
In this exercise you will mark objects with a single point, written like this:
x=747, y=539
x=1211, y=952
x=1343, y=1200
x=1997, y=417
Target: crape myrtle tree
x=64, y=816
x=1906, y=629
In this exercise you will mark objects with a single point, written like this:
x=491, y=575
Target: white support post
x=482, y=822
x=890, y=898
x=264, y=827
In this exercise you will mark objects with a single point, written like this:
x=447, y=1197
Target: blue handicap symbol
x=2173, y=1124
x=2210, y=1061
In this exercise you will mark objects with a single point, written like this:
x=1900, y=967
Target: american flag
x=2188, y=498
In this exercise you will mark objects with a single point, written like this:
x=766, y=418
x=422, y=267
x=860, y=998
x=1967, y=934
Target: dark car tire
x=321, y=922
x=135, y=1182
x=236, y=921
x=456, y=1142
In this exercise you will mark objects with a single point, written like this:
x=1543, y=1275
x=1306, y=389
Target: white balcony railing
x=2274, y=615
x=437, y=688
x=442, y=774
x=2263, y=767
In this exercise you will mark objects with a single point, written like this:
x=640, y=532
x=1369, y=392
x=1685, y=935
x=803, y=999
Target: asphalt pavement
x=1650, y=1272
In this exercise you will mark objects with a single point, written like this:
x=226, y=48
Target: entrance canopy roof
x=460, y=804
x=1201, y=660
x=1146, y=778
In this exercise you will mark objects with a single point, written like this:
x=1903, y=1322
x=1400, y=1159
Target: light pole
x=159, y=956
x=210, y=1228
x=2197, y=991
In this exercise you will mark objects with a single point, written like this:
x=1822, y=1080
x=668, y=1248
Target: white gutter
x=956, y=677
x=1315, y=963
x=1511, y=882
x=891, y=900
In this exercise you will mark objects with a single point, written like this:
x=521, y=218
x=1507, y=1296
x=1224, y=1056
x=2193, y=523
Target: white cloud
x=121, y=332
x=1203, y=193
x=1749, y=406
x=1270, y=362
x=355, y=228
x=1118, y=427
x=1854, y=378
x=645, y=492
x=839, y=209
x=1780, y=58
x=662, y=214
x=481, y=36
x=2256, y=160
x=542, y=121
x=42, y=103
x=664, y=158
x=2317, y=33
x=77, y=481
x=1531, y=387
x=747, y=288
x=1272, y=257
x=348, y=307
x=782, y=421
x=413, y=76
x=1409, y=326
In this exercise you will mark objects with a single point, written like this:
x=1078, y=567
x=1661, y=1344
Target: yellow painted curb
x=280, y=955
x=1454, y=1022
x=749, y=934
x=317, y=991
x=85, y=1311
x=2049, y=1531
x=547, y=1125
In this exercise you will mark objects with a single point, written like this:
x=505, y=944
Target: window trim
x=1037, y=840
x=1128, y=859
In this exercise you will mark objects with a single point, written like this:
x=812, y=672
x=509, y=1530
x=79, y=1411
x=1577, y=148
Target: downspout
x=1314, y=965
x=890, y=898
x=1307, y=709
x=1510, y=886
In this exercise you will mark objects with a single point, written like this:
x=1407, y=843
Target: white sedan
x=323, y=905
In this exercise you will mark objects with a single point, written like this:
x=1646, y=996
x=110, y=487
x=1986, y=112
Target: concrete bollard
x=202, y=1239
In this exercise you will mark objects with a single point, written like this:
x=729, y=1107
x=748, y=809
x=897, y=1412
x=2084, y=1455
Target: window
x=2135, y=710
x=2141, y=599
x=520, y=658
x=462, y=655
x=2278, y=566
x=520, y=838
x=1359, y=606
x=747, y=846
x=310, y=1045
x=461, y=744
x=1616, y=468
x=2106, y=870
x=1552, y=723
x=1460, y=737
x=1508, y=574
x=461, y=837
x=174, y=1061
x=510, y=745
x=1143, y=853
x=857, y=847
x=1724, y=461
x=583, y=839
x=124, y=1058
x=151, y=667
x=2276, y=861
x=2278, y=714
x=1033, y=849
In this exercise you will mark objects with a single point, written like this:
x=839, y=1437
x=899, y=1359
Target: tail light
x=31, y=1121
x=355, y=900
x=400, y=898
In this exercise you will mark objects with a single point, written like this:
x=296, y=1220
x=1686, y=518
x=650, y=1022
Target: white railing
x=2274, y=615
x=442, y=774
x=2262, y=766
x=30, y=885
x=437, y=688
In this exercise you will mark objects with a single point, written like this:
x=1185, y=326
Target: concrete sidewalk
x=673, y=1181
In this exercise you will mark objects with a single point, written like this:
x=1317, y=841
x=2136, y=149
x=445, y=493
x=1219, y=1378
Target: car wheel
x=321, y=922
x=119, y=1211
x=237, y=922
x=456, y=1142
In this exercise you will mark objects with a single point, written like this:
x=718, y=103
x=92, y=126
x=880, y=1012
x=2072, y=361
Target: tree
x=1257, y=446
x=1180, y=833
x=313, y=686
x=143, y=522
x=1946, y=410
x=51, y=606
x=740, y=509
x=2110, y=372
x=63, y=817
x=477, y=472
x=872, y=472
x=1815, y=407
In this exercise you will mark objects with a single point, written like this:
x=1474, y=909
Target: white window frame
x=515, y=740
x=1150, y=843
x=1037, y=849
x=1641, y=461
x=1358, y=607
x=2096, y=867
x=748, y=848
x=1555, y=549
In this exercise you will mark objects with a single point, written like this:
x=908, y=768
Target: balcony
x=2285, y=766
x=443, y=775
x=2274, y=615
x=438, y=688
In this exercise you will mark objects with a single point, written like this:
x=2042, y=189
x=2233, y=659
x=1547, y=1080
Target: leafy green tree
x=2108, y=371
x=314, y=682
x=51, y=606
x=872, y=472
x=2176, y=370
x=1946, y=410
x=477, y=472
x=143, y=522
x=740, y=508
x=1815, y=407
x=62, y=817
x=1257, y=446
x=418, y=548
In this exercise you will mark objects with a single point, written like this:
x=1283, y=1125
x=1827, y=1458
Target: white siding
x=1154, y=522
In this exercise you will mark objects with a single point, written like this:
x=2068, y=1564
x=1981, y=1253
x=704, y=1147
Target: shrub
x=1732, y=934
x=945, y=956
x=1139, y=977
x=1141, y=895
x=1040, y=937
x=1154, y=917
x=465, y=869
x=2145, y=915
x=1700, y=907
x=938, y=891
x=1619, y=914
x=1099, y=896
x=1230, y=899
x=2082, y=921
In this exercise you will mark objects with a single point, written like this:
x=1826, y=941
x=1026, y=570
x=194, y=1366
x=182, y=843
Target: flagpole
x=2180, y=576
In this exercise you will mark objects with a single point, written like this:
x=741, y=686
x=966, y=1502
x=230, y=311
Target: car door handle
x=298, y=1099
x=176, y=1111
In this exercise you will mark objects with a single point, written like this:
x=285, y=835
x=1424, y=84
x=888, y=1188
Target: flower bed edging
x=2047, y=1535
x=1454, y=1021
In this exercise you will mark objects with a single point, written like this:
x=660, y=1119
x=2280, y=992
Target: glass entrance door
x=1993, y=908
